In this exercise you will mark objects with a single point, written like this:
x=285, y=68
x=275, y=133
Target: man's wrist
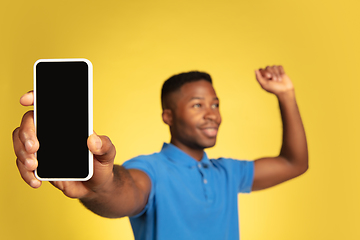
x=101, y=190
x=286, y=96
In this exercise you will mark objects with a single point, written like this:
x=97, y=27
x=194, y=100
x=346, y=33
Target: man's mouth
x=210, y=132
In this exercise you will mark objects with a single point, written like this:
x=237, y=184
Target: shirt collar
x=178, y=156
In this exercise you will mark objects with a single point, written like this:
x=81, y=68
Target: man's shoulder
x=148, y=159
x=230, y=162
x=227, y=160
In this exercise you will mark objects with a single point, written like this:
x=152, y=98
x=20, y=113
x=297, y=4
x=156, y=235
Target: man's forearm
x=118, y=198
x=294, y=145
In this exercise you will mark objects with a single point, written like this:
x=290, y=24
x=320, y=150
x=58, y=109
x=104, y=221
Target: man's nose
x=211, y=114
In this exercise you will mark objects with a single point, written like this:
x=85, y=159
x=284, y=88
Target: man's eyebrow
x=202, y=98
x=195, y=98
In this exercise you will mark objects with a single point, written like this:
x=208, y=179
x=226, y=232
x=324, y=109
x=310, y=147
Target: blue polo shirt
x=190, y=199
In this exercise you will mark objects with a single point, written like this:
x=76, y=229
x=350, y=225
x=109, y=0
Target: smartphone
x=63, y=118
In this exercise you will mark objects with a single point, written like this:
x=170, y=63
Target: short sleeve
x=142, y=163
x=246, y=176
x=241, y=171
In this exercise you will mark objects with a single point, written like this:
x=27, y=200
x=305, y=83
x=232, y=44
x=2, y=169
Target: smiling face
x=194, y=117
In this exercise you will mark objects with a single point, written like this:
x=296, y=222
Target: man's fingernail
x=29, y=144
x=97, y=142
x=29, y=163
x=34, y=183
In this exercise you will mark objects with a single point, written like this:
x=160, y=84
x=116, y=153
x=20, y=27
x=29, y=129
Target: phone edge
x=90, y=113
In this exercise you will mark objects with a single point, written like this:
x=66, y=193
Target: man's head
x=175, y=82
x=191, y=109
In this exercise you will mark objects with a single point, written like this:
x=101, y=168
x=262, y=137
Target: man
x=179, y=193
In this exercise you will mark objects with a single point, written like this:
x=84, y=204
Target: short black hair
x=175, y=82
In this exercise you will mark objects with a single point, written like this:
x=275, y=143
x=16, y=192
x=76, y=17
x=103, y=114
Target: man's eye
x=197, y=105
x=216, y=105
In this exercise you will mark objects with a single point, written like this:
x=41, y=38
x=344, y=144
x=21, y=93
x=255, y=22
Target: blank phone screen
x=62, y=119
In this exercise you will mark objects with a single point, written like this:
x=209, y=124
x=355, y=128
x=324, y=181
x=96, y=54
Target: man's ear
x=167, y=117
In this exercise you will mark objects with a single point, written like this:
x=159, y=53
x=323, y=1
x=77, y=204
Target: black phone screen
x=62, y=118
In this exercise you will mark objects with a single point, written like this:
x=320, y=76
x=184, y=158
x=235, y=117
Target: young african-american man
x=179, y=193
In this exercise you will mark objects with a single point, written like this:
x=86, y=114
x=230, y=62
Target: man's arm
x=293, y=158
x=112, y=192
x=125, y=195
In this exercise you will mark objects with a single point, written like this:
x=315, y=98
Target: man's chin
x=209, y=144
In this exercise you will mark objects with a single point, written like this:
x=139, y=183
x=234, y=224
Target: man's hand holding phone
x=26, y=145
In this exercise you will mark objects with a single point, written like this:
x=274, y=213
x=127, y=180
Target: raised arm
x=293, y=158
x=112, y=191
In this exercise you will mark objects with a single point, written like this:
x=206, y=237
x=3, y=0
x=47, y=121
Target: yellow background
x=135, y=45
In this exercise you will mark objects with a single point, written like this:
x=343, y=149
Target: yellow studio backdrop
x=135, y=45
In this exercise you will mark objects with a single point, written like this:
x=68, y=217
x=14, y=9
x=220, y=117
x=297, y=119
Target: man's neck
x=197, y=154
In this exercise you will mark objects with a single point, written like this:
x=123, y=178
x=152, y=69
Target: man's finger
x=281, y=69
x=265, y=73
x=28, y=176
x=102, y=148
x=277, y=73
x=260, y=78
x=27, y=133
x=27, y=99
x=275, y=76
x=27, y=159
